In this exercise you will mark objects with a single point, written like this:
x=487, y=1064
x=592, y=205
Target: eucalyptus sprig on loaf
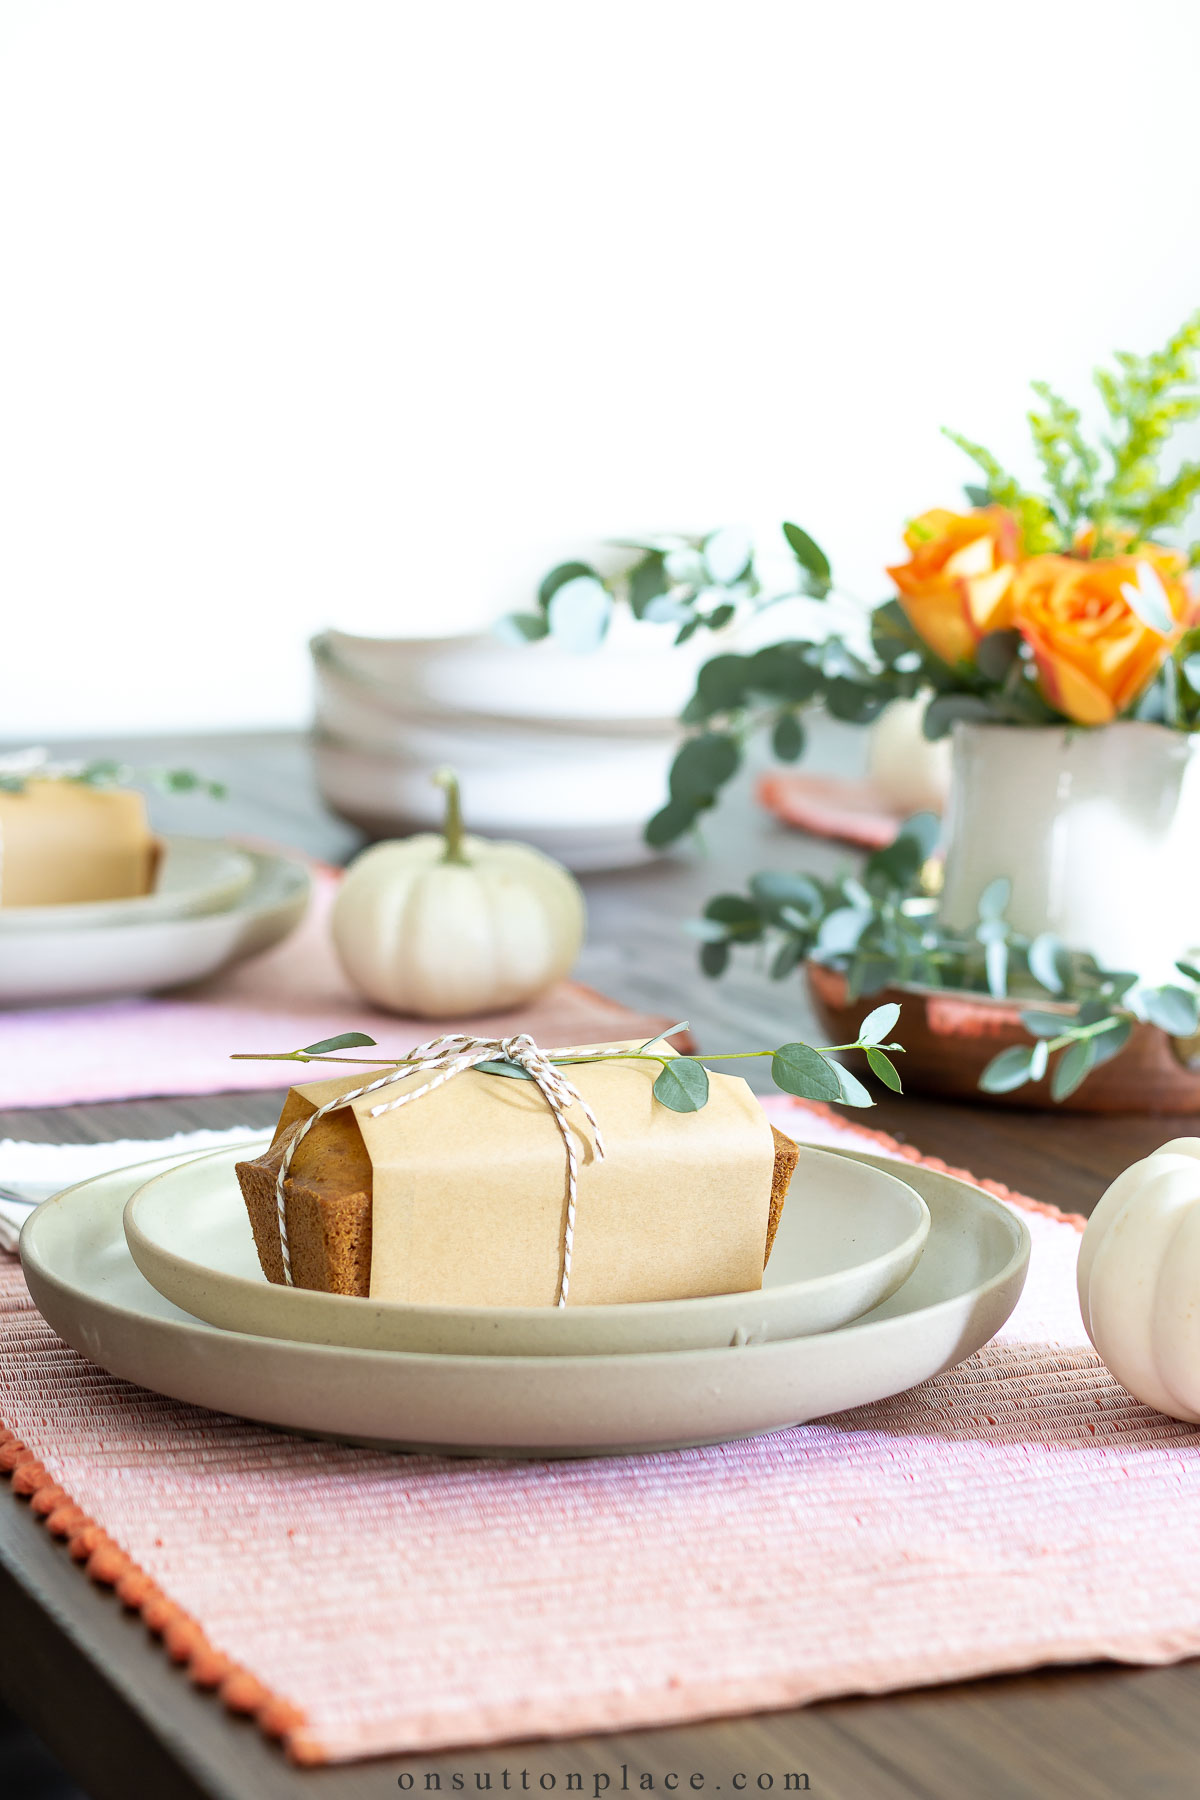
x=681, y=1085
x=442, y=925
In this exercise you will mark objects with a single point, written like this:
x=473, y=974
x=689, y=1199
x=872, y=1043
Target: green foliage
x=103, y=772
x=881, y=930
x=693, y=583
x=1117, y=487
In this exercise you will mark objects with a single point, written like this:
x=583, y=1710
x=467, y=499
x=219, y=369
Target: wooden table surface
x=102, y=1694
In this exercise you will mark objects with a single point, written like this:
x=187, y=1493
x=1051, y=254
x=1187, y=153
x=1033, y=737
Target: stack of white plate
x=882, y=1275
x=563, y=751
x=212, y=905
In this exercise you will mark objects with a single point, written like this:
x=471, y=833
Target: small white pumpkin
x=911, y=772
x=1139, y=1279
x=442, y=926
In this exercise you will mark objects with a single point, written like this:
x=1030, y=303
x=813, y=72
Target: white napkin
x=35, y=1171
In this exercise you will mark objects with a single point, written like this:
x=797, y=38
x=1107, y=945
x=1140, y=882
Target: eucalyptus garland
x=881, y=929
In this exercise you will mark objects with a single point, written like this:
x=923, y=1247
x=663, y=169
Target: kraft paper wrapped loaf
x=459, y=1197
x=64, y=841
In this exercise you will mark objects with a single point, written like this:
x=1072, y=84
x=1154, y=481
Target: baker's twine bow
x=450, y=1056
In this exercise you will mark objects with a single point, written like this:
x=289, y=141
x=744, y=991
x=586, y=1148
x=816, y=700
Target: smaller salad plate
x=848, y=1237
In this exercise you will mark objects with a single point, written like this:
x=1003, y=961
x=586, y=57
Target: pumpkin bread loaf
x=328, y=1199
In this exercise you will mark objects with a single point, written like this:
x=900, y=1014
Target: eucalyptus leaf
x=1110, y=1043
x=676, y=817
x=579, y=612
x=1147, y=597
x=787, y=739
x=884, y=1068
x=1049, y=962
x=647, y=581
x=786, y=958
x=682, y=1085
x=978, y=496
x=878, y=1024
x=1073, y=1067
x=722, y=682
x=346, y=1040
x=996, y=652
x=524, y=628
x=1174, y=1010
x=733, y=909
x=995, y=898
x=853, y=1092
x=714, y=957
x=703, y=765
x=1189, y=969
x=1011, y=1069
x=774, y=890
x=559, y=576
x=501, y=1067
x=1045, y=1024
x=811, y=557
x=947, y=710
x=728, y=554
x=1039, y=1060
x=841, y=930
x=799, y=1069
x=995, y=958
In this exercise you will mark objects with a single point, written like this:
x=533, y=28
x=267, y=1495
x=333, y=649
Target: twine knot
x=443, y=1058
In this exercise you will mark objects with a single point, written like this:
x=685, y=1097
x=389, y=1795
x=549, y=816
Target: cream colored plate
x=848, y=1237
x=195, y=875
x=965, y=1286
x=89, y=963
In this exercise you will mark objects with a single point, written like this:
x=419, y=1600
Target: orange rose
x=1095, y=653
x=955, y=587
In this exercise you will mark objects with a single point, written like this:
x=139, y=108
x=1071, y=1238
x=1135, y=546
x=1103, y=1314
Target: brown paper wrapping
x=469, y=1189
x=63, y=841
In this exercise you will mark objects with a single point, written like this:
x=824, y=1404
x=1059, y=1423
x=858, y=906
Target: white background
x=362, y=313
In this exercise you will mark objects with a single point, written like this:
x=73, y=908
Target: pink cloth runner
x=296, y=994
x=1021, y=1509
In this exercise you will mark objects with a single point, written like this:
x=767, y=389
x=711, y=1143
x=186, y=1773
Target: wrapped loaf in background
x=460, y=1197
x=64, y=841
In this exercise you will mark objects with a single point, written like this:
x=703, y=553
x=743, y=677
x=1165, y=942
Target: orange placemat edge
x=182, y=1638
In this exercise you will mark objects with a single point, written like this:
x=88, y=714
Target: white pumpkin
x=1139, y=1279
x=911, y=772
x=446, y=925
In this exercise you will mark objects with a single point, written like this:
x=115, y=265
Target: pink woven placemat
x=180, y=1043
x=1021, y=1509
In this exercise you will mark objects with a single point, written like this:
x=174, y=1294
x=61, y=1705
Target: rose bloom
x=956, y=584
x=1094, y=654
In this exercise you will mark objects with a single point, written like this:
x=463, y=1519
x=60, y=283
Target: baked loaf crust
x=328, y=1199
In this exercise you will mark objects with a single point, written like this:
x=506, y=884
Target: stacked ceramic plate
x=882, y=1275
x=563, y=751
x=213, y=904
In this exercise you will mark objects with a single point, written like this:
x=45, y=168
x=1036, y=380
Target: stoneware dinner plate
x=964, y=1287
x=88, y=963
x=847, y=1239
x=195, y=875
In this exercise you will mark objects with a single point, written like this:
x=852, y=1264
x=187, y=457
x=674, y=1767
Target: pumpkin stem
x=452, y=824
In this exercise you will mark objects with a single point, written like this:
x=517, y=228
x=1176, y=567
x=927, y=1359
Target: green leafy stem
x=681, y=1084
x=105, y=772
x=880, y=929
